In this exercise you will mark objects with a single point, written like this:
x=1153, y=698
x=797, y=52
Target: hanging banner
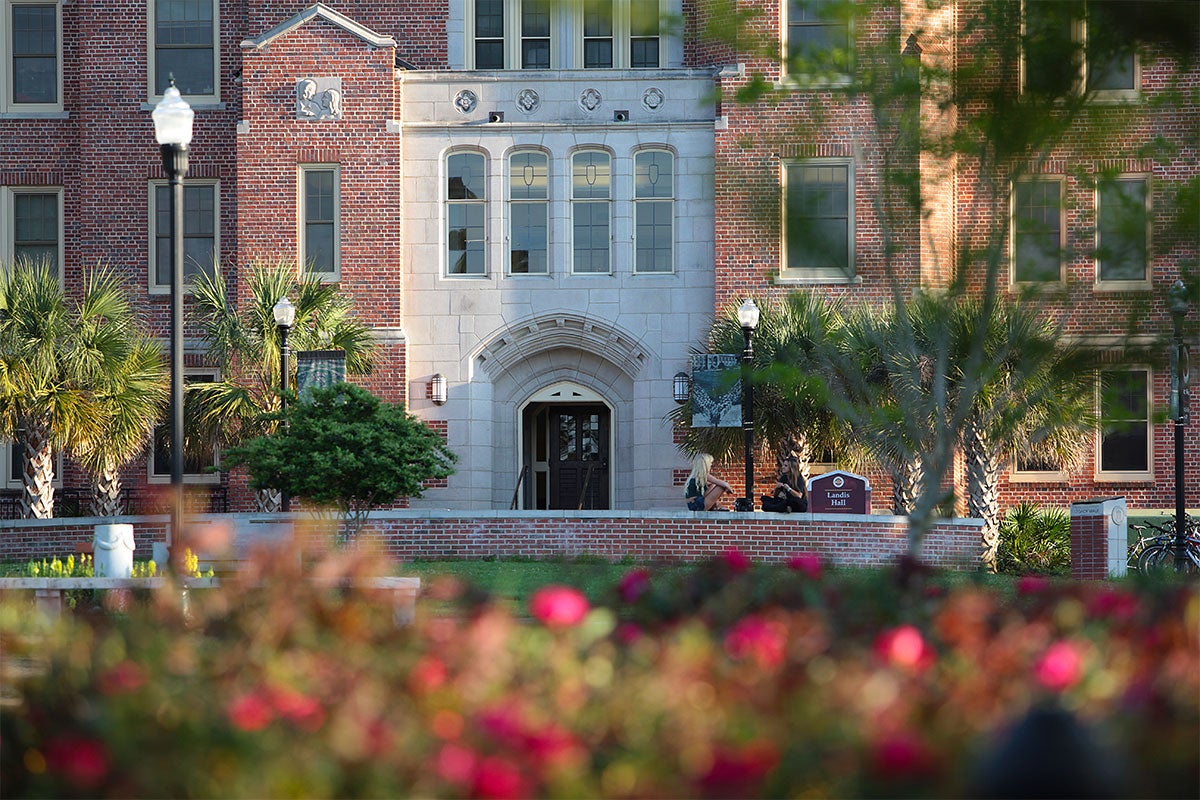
x=716, y=391
x=319, y=369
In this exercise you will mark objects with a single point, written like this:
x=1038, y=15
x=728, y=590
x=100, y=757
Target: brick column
x=1099, y=539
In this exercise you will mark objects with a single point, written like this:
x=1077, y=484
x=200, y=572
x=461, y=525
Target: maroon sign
x=839, y=492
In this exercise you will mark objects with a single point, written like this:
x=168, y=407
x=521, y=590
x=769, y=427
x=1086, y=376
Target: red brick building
x=340, y=136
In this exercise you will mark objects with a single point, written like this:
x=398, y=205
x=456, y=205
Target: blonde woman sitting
x=704, y=490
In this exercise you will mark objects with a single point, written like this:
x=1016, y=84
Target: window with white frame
x=1037, y=231
x=466, y=214
x=817, y=38
x=653, y=211
x=818, y=219
x=320, y=229
x=183, y=39
x=1122, y=229
x=528, y=213
x=32, y=56
x=543, y=34
x=591, y=212
x=32, y=226
x=200, y=237
x=199, y=457
x=1125, y=437
x=1071, y=46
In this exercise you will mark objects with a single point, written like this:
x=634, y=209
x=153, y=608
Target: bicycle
x=1160, y=553
x=1149, y=535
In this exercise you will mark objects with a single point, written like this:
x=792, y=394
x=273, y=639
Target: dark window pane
x=528, y=237
x=464, y=241
x=1110, y=50
x=465, y=177
x=590, y=176
x=528, y=176
x=35, y=54
x=591, y=237
x=818, y=221
x=597, y=18
x=183, y=33
x=653, y=174
x=201, y=456
x=643, y=53
x=489, y=19
x=643, y=18
x=1122, y=228
x=597, y=53
x=1037, y=230
x=199, y=231
x=653, y=235
x=535, y=18
x=1124, y=413
x=489, y=54
x=193, y=71
x=535, y=53
x=1052, y=55
x=318, y=248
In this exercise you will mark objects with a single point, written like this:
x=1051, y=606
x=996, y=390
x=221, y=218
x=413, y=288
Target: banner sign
x=716, y=391
x=319, y=369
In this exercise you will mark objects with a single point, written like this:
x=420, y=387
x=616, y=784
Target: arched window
x=466, y=213
x=654, y=211
x=528, y=213
x=591, y=212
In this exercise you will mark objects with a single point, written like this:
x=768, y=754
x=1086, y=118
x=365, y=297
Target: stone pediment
x=319, y=11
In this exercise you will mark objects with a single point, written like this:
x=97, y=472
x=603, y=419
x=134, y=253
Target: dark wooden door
x=579, y=457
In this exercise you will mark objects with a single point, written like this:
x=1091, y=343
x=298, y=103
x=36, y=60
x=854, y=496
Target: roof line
x=327, y=13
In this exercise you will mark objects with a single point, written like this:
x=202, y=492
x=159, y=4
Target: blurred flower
x=250, y=712
x=456, y=764
x=554, y=746
x=634, y=584
x=628, y=632
x=806, y=564
x=500, y=779
x=558, y=606
x=737, y=561
x=757, y=638
x=1112, y=603
x=1060, y=667
x=904, y=647
x=902, y=756
x=128, y=676
x=1032, y=584
x=301, y=710
x=84, y=762
x=736, y=770
x=427, y=674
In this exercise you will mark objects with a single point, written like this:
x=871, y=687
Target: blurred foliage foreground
x=709, y=684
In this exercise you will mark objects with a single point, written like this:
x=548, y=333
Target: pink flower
x=628, y=632
x=733, y=770
x=558, y=606
x=757, y=638
x=902, y=756
x=1032, y=584
x=250, y=712
x=456, y=764
x=83, y=761
x=500, y=779
x=1060, y=667
x=1114, y=604
x=427, y=674
x=128, y=676
x=806, y=563
x=737, y=561
x=634, y=584
x=553, y=746
x=904, y=647
x=301, y=710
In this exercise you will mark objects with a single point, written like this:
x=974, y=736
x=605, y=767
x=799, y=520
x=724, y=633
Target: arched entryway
x=566, y=449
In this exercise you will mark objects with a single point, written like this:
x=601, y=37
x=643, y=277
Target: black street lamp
x=285, y=315
x=173, y=130
x=1177, y=301
x=747, y=314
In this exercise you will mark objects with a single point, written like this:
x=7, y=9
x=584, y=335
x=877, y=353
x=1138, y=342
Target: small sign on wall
x=839, y=492
x=319, y=368
x=716, y=391
x=319, y=99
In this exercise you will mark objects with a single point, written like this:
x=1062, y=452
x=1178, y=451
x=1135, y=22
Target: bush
x=704, y=685
x=1035, y=541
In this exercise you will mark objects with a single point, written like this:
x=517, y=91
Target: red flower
x=904, y=647
x=298, y=708
x=806, y=563
x=1032, y=584
x=628, y=632
x=427, y=674
x=757, y=638
x=250, y=712
x=558, y=606
x=553, y=746
x=128, y=676
x=500, y=779
x=901, y=756
x=84, y=762
x=456, y=764
x=1114, y=604
x=737, y=561
x=1060, y=667
x=734, y=770
x=634, y=584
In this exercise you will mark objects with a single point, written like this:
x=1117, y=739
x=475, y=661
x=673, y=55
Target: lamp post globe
x=173, y=119
x=285, y=316
x=747, y=315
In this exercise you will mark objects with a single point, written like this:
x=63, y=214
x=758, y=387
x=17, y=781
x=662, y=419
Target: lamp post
x=747, y=314
x=1177, y=301
x=173, y=131
x=285, y=315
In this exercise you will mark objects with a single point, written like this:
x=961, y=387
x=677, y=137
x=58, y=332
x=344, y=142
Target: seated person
x=703, y=490
x=790, y=493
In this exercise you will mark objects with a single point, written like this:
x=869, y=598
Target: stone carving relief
x=465, y=101
x=528, y=100
x=653, y=98
x=590, y=99
x=319, y=99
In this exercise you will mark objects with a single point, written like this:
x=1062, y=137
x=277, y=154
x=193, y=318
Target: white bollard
x=112, y=550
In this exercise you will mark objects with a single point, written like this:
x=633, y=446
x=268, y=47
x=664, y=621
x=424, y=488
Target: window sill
x=812, y=83
x=833, y=278
x=1121, y=286
x=1037, y=477
x=189, y=479
x=199, y=105
x=34, y=114
x=1125, y=477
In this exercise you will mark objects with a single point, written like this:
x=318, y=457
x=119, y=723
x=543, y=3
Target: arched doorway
x=566, y=448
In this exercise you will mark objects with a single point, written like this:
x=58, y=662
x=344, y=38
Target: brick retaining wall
x=844, y=539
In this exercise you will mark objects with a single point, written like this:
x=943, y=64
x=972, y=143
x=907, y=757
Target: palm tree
x=58, y=357
x=131, y=404
x=244, y=343
x=792, y=346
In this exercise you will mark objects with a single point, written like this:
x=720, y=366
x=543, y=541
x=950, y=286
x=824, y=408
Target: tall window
x=597, y=33
x=818, y=219
x=644, y=42
x=1124, y=423
x=33, y=54
x=198, y=458
x=200, y=240
x=654, y=211
x=528, y=213
x=466, y=212
x=32, y=226
x=319, y=213
x=184, y=37
x=1122, y=221
x=1037, y=231
x=489, y=34
x=591, y=212
x=1071, y=45
x=535, y=34
x=818, y=37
